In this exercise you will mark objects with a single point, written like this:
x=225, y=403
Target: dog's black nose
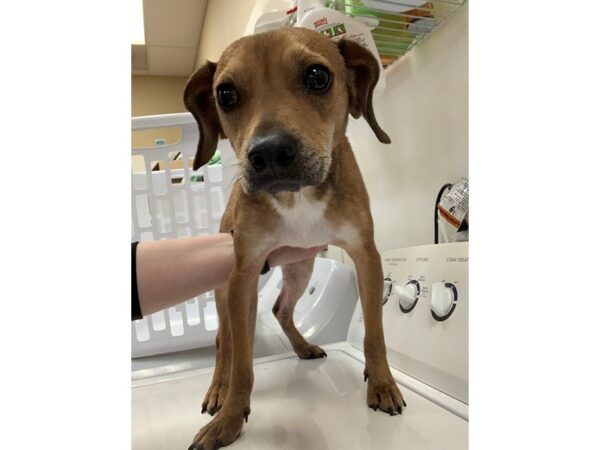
x=275, y=151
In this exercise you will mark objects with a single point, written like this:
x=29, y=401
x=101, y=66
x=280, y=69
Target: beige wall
x=152, y=95
x=224, y=22
x=425, y=111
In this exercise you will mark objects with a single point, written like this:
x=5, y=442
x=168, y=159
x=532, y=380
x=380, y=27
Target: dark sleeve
x=136, y=312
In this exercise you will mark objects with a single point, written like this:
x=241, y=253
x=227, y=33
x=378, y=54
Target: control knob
x=443, y=300
x=407, y=295
x=387, y=289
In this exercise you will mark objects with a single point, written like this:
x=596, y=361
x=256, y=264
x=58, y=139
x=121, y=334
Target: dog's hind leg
x=215, y=396
x=295, y=279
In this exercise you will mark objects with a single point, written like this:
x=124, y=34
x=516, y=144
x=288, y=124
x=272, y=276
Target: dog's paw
x=219, y=432
x=309, y=351
x=384, y=395
x=215, y=397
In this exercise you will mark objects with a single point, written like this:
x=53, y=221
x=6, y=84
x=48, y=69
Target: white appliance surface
x=313, y=404
x=321, y=404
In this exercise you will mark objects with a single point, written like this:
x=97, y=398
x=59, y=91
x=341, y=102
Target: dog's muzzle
x=273, y=162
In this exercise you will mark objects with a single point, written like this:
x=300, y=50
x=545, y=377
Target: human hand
x=288, y=255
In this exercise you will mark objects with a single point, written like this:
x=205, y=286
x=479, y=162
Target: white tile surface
x=316, y=405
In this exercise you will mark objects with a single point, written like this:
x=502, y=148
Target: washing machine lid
x=315, y=404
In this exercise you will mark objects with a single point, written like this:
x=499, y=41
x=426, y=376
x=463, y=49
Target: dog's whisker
x=233, y=183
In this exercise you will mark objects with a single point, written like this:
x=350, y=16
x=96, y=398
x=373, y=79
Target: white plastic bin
x=173, y=203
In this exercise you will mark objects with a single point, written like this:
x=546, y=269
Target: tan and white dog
x=283, y=99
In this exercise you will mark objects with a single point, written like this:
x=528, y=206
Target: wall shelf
x=397, y=26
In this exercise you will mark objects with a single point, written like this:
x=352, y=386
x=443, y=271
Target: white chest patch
x=304, y=225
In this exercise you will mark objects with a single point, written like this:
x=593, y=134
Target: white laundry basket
x=171, y=203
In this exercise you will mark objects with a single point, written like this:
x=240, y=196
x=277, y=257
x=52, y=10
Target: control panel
x=425, y=314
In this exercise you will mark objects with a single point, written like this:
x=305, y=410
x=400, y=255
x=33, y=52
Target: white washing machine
x=321, y=404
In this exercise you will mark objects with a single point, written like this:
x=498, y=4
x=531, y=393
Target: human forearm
x=172, y=271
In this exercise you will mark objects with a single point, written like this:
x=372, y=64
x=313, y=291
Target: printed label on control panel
x=455, y=259
x=395, y=261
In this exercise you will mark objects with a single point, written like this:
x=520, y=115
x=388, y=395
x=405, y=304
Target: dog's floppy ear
x=362, y=73
x=199, y=100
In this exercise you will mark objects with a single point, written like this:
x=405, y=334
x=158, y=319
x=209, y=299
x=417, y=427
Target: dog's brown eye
x=317, y=78
x=227, y=95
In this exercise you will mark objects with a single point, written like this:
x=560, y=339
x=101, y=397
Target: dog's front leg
x=382, y=391
x=241, y=306
x=217, y=392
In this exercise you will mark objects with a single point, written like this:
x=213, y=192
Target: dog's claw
x=373, y=407
x=399, y=409
x=391, y=411
x=404, y=402
x=246, y=413
x=366, y=376
x=196, y=446
x=203, y=408
x=323, y=354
